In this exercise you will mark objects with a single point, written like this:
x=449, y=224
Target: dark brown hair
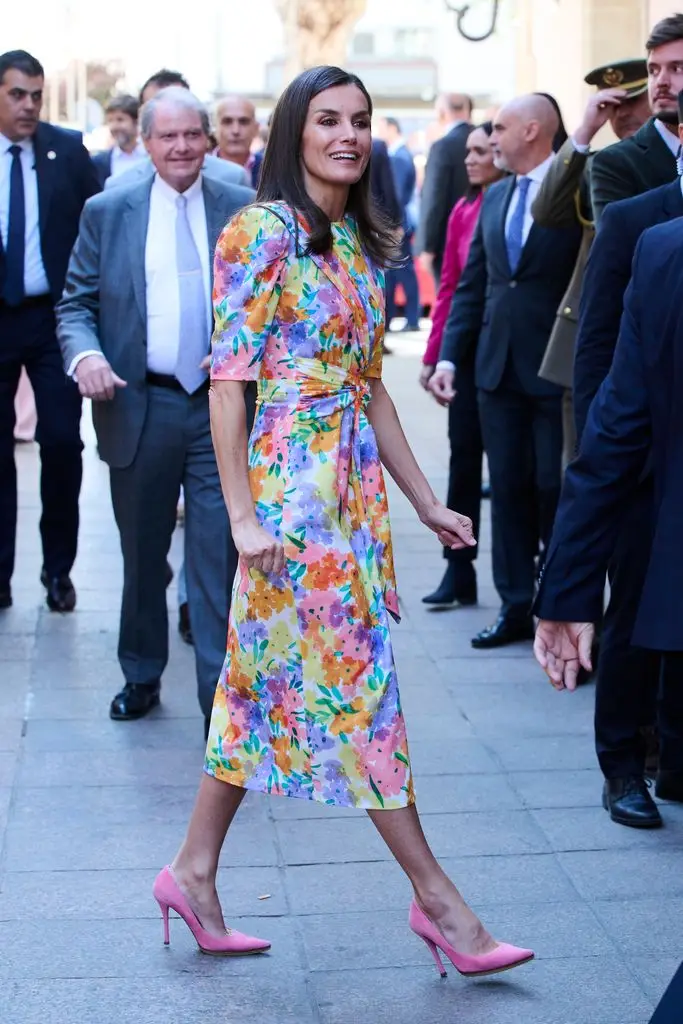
x=124, y=104
x=282, y=176
x=668, y=30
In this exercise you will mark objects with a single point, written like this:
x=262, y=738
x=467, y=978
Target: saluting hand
x=598, y=110
x=96, y=379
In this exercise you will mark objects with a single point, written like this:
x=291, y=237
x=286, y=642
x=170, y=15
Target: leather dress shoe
x=505, y=630
x=61, y=595
x=629, y=802
x=669, y=785
x=184, y=625
x=453, y=589
x=5, y=597
x=134, y=701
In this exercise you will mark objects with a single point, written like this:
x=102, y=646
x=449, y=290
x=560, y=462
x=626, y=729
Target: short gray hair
x=176, y=96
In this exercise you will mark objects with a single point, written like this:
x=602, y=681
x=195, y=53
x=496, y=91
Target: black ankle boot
x=458, y=586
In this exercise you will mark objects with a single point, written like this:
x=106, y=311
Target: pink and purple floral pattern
x=308, y=704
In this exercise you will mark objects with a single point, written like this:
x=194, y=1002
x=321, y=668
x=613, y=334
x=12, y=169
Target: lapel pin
x=51, y=155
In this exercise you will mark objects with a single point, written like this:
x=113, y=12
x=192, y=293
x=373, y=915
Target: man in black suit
x=445, y=179
x=382, y=183
x=636, y=420
x=46, y=175
x=648, y=159
x=403, y=170
x=501, y=316
x=121, y=117
x=628, y=676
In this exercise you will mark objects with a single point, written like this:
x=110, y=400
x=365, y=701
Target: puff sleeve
x=249, y=266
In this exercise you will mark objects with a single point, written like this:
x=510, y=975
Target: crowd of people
x=222, y=292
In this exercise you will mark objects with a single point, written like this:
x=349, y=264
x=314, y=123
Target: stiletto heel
x=503, y=958
x=434, y=950
x=164, y=916
x=170, y=896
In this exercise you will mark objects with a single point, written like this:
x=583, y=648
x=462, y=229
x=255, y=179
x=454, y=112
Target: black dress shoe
x=629, y=802
x=61, y=595
x=134, y=701
x=505, y=630
x=456, y=587
x=669, y=786
x=5, y=597
x=184, y=625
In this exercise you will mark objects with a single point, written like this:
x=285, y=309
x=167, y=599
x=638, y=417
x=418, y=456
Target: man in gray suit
x=134, y=326
x=213, y=167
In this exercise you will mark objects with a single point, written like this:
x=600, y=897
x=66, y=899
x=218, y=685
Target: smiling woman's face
x=337, y=141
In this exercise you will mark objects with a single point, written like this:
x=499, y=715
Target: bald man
x=236, y=129
x=445, y=178
x=500, y=320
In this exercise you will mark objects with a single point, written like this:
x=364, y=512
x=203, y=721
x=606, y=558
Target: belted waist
x=318, y=392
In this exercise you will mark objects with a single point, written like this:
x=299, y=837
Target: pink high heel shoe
x=169, y=896
x=502, y=958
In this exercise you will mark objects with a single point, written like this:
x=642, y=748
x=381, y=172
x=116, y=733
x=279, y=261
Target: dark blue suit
x=635, y=420
x=628, y=676
x=66, y=178
x=102, y=164
x=403, y=170
x=501, y=322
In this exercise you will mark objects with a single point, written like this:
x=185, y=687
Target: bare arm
x=452, y=529
x=256, y=545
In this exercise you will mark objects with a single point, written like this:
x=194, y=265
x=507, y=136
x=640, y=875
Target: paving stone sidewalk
x=506, y=780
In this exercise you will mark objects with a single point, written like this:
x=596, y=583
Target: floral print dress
x=307, y=704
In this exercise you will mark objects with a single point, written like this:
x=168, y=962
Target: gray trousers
x=175, y=448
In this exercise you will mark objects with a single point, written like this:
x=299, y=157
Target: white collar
x=671, y=140
x=395, y=146
x=5, y=143
x=538, y=173
x=163, y=189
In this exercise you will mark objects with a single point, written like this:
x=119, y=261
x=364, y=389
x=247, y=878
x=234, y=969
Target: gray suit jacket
x=220, y=170
x=103, y=307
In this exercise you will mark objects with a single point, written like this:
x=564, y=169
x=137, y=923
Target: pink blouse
x=461, y=225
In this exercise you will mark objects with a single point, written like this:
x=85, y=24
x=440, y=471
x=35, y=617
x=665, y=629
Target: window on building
x=363, y=45
x=414, y=42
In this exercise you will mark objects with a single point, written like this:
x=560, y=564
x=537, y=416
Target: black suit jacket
x=607, y=275
x=66, y=178
x=102, y=164
x=445, y=183
x=382, y=184
x=631, y=167
x=636, y=417
x=403, y=169
x=495, y=313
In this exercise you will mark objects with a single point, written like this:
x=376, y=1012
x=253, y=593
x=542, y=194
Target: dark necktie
x=515, y=231
x=13, y=291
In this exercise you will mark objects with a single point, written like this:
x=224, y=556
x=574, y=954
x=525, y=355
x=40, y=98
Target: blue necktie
x=194, y=331
x=13, y=290
x=515, y=231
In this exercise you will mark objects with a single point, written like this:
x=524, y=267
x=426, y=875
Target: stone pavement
x=506, y=779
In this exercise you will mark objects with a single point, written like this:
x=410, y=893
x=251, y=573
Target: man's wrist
x=581, y=140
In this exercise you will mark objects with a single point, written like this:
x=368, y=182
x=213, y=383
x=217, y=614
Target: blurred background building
x=405, y=50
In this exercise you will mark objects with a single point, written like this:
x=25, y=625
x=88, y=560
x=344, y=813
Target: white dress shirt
x=536, y=177
x=122, y=161
x=672, y=141
x=161, y=274
x=35, y=278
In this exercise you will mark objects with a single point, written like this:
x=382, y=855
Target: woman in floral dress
x=307, y=704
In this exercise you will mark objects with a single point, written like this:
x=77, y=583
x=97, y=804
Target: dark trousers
x=27, y=338
x=175, y=448
x=628, y=677
x=464, y=470
x=523, y=440
x=406, y=276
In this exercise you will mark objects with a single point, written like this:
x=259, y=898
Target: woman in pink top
x=459, y=584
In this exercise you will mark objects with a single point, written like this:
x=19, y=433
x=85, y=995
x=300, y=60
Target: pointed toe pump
x=169, y=896
x=503, y=958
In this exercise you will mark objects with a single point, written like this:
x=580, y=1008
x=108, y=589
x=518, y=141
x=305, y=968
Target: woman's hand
x=453, y=530
x=426, y=372
x=259, y=549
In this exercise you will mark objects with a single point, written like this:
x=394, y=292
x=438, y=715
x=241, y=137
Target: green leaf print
x=376, y=792
x=299, y=544
x=401, y=757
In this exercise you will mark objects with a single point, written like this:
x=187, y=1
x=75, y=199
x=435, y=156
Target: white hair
x=176, y=96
